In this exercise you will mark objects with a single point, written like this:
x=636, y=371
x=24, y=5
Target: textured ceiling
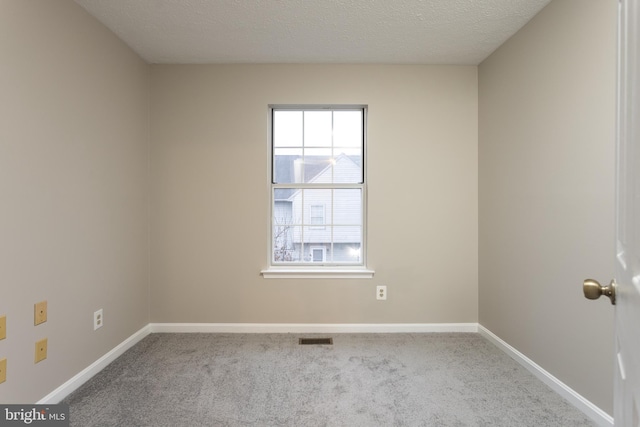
x=314, y=31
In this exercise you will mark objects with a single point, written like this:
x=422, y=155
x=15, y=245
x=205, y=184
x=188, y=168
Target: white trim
x=592, y=411
x=265, y=328
x=86, y=374
x=317, y=273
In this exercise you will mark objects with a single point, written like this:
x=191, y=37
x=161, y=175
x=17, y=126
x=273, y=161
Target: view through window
x=317, y=185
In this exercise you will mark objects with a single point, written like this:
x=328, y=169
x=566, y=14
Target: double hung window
x=318, y=196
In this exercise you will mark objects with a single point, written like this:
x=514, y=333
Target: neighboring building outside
x=320, y=224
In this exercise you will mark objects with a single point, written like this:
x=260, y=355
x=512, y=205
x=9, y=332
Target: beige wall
x=546, y=182
x=210, y=199
x=73, y=191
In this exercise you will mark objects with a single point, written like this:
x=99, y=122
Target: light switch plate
x=41, y=350
x=39, y=313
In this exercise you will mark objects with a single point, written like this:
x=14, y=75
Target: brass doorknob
x=593, y=290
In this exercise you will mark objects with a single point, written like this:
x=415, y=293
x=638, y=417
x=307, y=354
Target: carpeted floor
x=361, y=380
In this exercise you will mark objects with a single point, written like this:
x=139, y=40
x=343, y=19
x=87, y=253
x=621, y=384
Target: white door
x=627, y=317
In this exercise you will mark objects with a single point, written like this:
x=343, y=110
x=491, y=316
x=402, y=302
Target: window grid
x=302, y=223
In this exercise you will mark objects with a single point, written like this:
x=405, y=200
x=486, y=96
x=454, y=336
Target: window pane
x=347, y=252
x=347, y=129
x=317, y=128
x=355, y=174
x=287, y=165
x=287, y=128
x=282, y=211
x=347, y=170
x=347, y=244
x=317, y=204
x=284, y=249
x=317, y=207
x=347, y=206
x=317, y=165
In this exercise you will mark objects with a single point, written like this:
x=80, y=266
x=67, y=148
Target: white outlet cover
x=381, y=292
x=98, y=319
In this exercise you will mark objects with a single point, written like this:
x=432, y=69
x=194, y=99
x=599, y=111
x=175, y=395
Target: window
x=318, y=254
x=317, y=217
x=317, y=186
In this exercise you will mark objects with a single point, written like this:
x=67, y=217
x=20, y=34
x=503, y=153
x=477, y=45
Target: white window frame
x=317, y=269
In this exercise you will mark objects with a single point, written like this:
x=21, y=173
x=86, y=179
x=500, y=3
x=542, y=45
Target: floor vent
x=315, y=341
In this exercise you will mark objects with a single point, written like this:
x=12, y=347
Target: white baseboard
x=308, y=328
x=592, y=411
x=86, y=374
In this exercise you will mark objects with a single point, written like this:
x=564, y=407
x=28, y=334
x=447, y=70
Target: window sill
x=317, y=273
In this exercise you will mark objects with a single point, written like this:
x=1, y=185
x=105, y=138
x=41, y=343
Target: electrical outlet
x=98, y=319
x=41, y=350
x=381, y=292
x=39, y=313
x=3, y=370
x=3, y=327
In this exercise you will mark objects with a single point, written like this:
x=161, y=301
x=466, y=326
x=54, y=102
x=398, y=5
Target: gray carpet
x=361, y=380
